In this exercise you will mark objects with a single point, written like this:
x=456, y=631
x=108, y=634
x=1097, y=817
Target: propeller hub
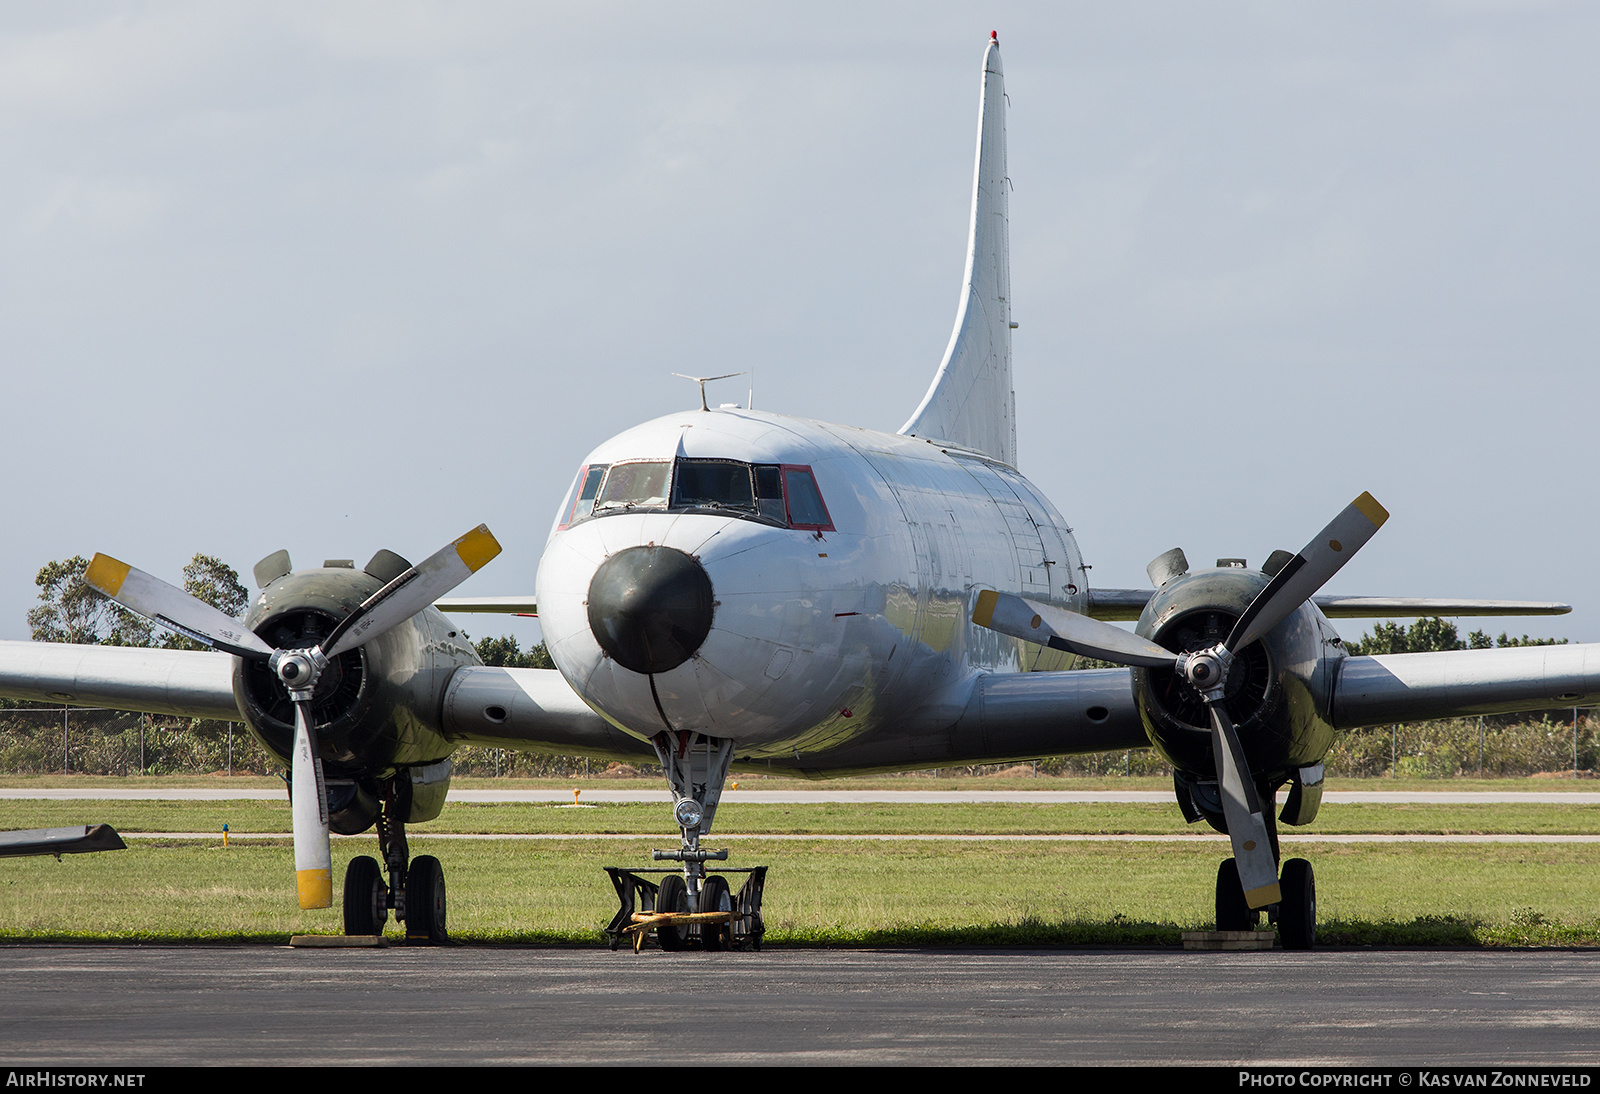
x=1207, y=671
x=299, y=669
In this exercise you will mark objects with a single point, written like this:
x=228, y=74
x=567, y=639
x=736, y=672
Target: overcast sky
x=342, y=276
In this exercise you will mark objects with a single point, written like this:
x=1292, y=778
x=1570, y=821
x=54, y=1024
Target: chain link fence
x=91, y=741
x=51, y=740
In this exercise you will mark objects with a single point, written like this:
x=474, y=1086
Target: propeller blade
x=1063, y=630
x=413, y=590
x=173, y=608
x=308, y=800
x=1309, y=570
x=1247, y=828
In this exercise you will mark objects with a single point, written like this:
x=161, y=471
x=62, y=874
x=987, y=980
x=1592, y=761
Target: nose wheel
x=687, y=909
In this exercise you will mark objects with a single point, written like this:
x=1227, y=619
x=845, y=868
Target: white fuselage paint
x=819, y=639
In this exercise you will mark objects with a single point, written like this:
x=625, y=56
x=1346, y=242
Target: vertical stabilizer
x=970, y=402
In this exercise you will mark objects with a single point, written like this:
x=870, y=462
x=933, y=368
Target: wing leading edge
x=1126, y=605
x=182, y=683
x=1404, y=687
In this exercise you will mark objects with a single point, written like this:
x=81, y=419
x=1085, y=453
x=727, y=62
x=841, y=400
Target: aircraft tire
x=365, y=907
x=716, y=897
x=1297, y=914
x=673, y=896
x=1233, y=914
x=425, y=903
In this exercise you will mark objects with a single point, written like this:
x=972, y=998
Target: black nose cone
x=650, y=607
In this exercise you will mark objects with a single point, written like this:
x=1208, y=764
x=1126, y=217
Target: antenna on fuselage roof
x=704, y=380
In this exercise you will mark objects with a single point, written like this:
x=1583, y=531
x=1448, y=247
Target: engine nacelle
x=376, y=708
x=1279, y=689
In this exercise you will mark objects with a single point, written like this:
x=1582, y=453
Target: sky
x=340, y=276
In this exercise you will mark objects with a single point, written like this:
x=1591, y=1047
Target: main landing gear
x=690, y=909
x=1295, y=914
x=415, y=889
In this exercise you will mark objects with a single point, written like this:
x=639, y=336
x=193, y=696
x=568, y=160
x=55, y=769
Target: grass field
x=828, y=892
x=869, y=818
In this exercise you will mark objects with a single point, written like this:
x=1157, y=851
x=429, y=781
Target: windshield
x=635, y=486
x=785, y=495
x=712, y=484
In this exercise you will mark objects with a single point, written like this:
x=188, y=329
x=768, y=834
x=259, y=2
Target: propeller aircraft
x=725, y=587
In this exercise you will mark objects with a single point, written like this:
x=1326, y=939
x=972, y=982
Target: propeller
x=299, y=669
x=1207, y=670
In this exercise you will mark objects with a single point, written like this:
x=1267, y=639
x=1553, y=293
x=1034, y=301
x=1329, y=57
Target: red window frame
x=783, y=479
x=577, y=495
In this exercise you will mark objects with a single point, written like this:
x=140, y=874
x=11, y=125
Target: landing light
x=688, y=813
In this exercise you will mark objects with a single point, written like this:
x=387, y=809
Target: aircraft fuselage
x=826, y=626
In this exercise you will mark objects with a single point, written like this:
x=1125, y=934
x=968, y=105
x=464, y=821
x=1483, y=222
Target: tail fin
x=970, y=403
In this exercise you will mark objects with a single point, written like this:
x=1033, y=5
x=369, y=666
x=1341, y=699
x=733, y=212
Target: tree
x=70, y=611
x=1504, y=640
x=1424, y=636
x=506, y=653
x=208, y=578
x=1432, y=635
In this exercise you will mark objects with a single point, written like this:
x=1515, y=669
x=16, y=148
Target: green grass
x=828, y=894
x=916, y=781
x=983, y=818
x=825, y=892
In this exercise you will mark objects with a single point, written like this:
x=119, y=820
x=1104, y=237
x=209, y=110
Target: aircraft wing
x=1405, y=687
x=177, y=682
x=500, y=605
x=1126, y=604
x=531, y=710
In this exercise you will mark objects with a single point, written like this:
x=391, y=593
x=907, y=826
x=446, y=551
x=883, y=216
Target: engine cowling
x=1279, y=691
x=376, y=707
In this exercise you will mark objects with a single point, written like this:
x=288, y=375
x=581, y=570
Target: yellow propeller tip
x=1370, y=509
x=983, y=613
x=106, y=574
x=477, y=547
x=316, y=888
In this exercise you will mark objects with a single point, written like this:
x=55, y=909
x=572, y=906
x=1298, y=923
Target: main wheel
x=366, y=905
x=673, y=896
x=1233, y=914
x=716, y=897
x=1297, y=914
x=425, y=919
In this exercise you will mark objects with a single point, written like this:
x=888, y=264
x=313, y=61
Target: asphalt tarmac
x=127, y=1006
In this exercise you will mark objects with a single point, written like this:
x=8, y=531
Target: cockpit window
x=588, y=487
x=769, y=493
x=806, y=509
x=712, y=484
x=782, y=494
x=635, y=486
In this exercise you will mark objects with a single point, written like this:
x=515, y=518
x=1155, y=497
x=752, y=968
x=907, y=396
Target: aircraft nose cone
x=650, y=607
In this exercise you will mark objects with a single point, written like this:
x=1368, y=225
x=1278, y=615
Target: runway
x=126, y=1006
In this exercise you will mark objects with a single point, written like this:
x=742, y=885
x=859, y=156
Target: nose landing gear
x=690, y=909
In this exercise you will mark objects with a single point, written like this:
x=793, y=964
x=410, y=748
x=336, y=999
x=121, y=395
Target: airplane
x=730, y=588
